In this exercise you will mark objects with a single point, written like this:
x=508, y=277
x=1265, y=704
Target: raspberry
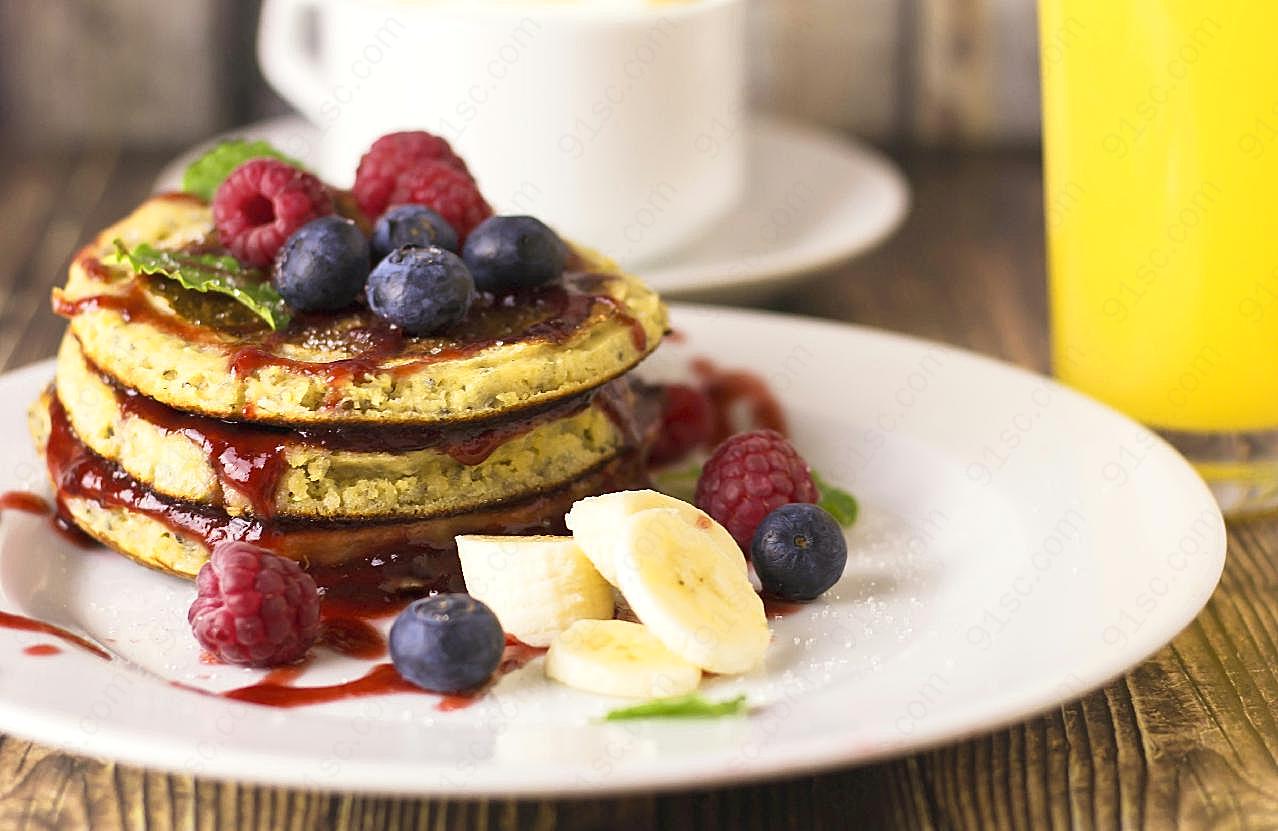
x=262, y=203
x=389, y=157
x=748, y=477
x=447, y=191
x=253, y=607
x=687, y=422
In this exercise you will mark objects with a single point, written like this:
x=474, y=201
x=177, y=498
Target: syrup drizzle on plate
x=9, y=620
x=26, y=502
x=276, y=689
x=31, y=503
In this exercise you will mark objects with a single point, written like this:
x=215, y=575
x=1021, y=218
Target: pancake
x=205, y=354
x=348, y=471
x=176, y=536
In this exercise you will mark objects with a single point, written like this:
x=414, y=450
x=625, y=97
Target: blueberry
x=323, y=266
x=447, y=643
x=506, y=253
x=798, y=552
x=412, y=225
x=420, y=290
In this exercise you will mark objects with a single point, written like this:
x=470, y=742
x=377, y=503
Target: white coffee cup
x=616, y=121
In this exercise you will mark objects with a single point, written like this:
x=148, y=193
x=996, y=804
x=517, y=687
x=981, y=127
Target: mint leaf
x=837, y=502
x=684, y=706
x=220, y=274
x=681, y=483
x=204, y=174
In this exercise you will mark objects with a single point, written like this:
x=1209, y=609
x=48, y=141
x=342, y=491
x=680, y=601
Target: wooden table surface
x=1189, y=738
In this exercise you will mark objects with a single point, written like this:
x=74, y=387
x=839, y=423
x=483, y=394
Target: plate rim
x=794, y=758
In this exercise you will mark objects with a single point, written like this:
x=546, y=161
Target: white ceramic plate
x=813, y=199
x=1019, y=545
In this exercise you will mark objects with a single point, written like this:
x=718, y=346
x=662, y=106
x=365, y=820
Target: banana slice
x=537, y=586
x=617, y=657
x=596, y=523
x=677, y=576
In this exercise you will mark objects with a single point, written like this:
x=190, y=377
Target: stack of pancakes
x=178, y=419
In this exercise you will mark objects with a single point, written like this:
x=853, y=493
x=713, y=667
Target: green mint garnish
x=837, y=502
x=681, y=483
x=220, y=274
x=685, y=706
x=208, y=171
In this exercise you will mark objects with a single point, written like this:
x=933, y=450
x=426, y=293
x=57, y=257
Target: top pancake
x=204, y=353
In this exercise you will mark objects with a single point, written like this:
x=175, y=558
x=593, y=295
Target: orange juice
x=1161, y=150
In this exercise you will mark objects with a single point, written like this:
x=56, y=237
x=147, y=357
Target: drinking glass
x=1161, y=164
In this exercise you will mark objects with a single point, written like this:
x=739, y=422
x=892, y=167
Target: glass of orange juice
x=1161, y=160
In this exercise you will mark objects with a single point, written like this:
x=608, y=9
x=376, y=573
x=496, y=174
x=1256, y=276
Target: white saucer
x=814, y=200
x=1019, y=545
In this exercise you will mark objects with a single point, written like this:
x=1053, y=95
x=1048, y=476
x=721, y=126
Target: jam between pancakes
x=250, y=458
x=78, y=472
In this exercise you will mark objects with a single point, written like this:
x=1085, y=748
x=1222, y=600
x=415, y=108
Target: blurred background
x=899, y=72
x=96, y=98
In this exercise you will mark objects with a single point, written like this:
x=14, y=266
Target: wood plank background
x=1188, y=739
x=931, y=72
x=935, y=72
